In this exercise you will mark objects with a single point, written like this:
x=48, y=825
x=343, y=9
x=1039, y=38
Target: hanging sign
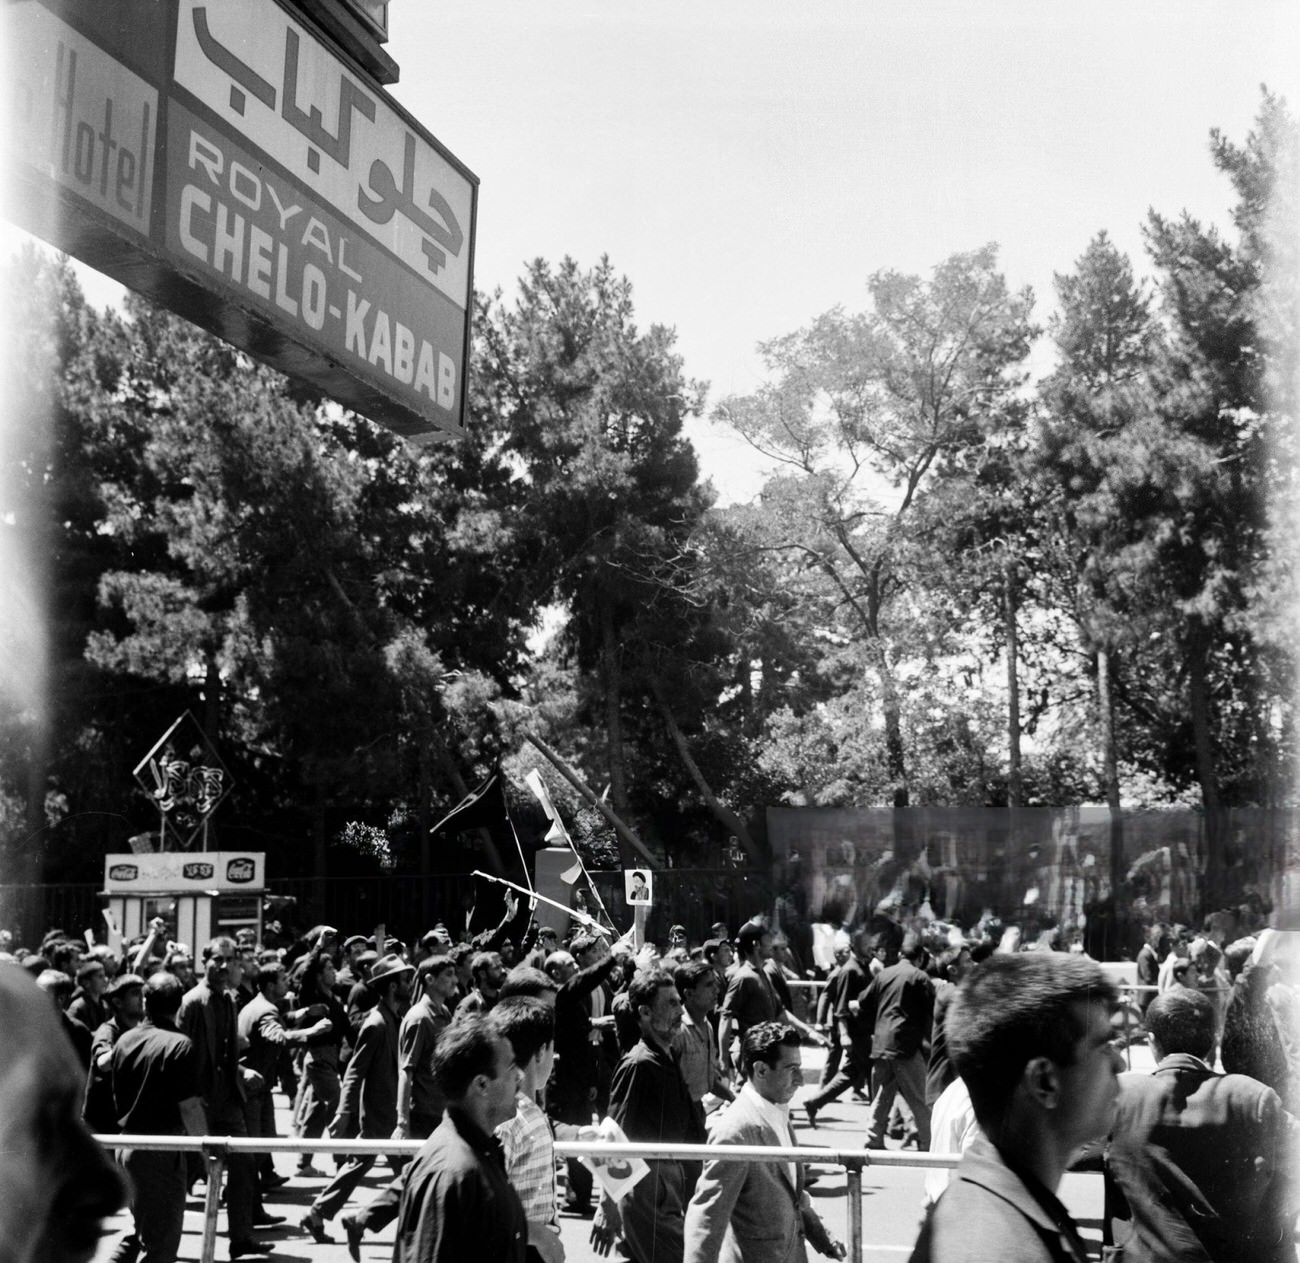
x=228, y=162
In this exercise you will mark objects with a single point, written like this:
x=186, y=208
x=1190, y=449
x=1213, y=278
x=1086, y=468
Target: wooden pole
x=624, y=833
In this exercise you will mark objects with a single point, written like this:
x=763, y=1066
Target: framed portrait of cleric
x=638, y=886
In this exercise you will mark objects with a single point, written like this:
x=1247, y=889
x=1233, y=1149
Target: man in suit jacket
x=368, y=1096
x=758, y=1212
x=1200, y=1167
x=263, y=1036
x=1030, y=1034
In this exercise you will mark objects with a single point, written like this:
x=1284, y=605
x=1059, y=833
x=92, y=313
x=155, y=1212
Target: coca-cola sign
x=240, y=870
x=124, y=872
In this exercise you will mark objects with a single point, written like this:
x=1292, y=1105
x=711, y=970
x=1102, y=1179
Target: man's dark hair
x=948, y=960
x=482, y=962
x=912, y=949
x=163, y=993
x=764, y=1043
x=271, y=971
x=645, y=986
x=688, y=976
x=64, y=955
x=431, y=967
x=221, y=945
x=465, y=1050
x=581, y=944
x=749, y=937
x=89, y=965
x=1014, y=1008
x=1182, y=1021
x=527, y=980
x=459, y=952
x=1236, y=954
x=527, y=1023
x=889, y=938
x=710, y=949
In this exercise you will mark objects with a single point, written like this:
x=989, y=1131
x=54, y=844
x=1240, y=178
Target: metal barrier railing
x=216, y=1149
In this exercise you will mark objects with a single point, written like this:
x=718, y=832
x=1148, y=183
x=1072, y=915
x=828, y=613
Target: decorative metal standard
x=186, y=780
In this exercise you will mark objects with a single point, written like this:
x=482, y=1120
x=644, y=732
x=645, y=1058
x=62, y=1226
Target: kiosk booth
x=199, y=895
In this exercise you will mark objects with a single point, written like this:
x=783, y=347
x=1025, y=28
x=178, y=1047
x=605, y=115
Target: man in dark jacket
x=207, y=1016
x=1030, y=1034
x=899, y=1006
x=649, y=1100
x=264, y=1037
x=457, y=1204
x=368, y=1097
x=579, y=1050
x=852, y=979
x=1200, y=1167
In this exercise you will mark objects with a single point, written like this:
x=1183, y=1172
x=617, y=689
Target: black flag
x=494, y=847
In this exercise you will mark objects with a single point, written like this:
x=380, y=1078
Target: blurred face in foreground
x=1090, y=1084
x=58, y=1184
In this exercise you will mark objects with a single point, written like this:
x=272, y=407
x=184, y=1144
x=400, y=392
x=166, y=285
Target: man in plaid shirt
x=528, y=1025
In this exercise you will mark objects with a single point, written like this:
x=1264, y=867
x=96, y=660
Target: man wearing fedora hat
x=125, y=996
x=368, y=1097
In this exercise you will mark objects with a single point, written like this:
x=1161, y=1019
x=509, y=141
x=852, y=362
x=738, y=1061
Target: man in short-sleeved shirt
x=156, y=1093
x=750, y=997
x=419, y=1102
x=693, y=1044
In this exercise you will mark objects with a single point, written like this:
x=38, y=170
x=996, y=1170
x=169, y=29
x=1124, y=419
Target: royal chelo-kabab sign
x=226, y=159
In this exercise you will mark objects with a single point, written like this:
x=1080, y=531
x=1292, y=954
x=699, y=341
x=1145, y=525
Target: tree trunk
x=23, y=863
x=1014, y=788
x=1110, y=768
x=722, y=813
x=211, y=729
x=613, y=672
x=319, y=845
x=895, y=753
x=628, y=841
x=1198, y=688
x=424, y=822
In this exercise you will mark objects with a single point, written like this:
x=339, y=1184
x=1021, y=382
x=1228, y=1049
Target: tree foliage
x=956, y=588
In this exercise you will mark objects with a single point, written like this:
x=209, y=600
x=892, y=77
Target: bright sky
x=749, y=164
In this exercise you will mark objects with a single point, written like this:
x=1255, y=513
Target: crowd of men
x=489, y=1051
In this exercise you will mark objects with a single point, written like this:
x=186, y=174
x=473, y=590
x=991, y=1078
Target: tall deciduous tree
x=863, y=412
